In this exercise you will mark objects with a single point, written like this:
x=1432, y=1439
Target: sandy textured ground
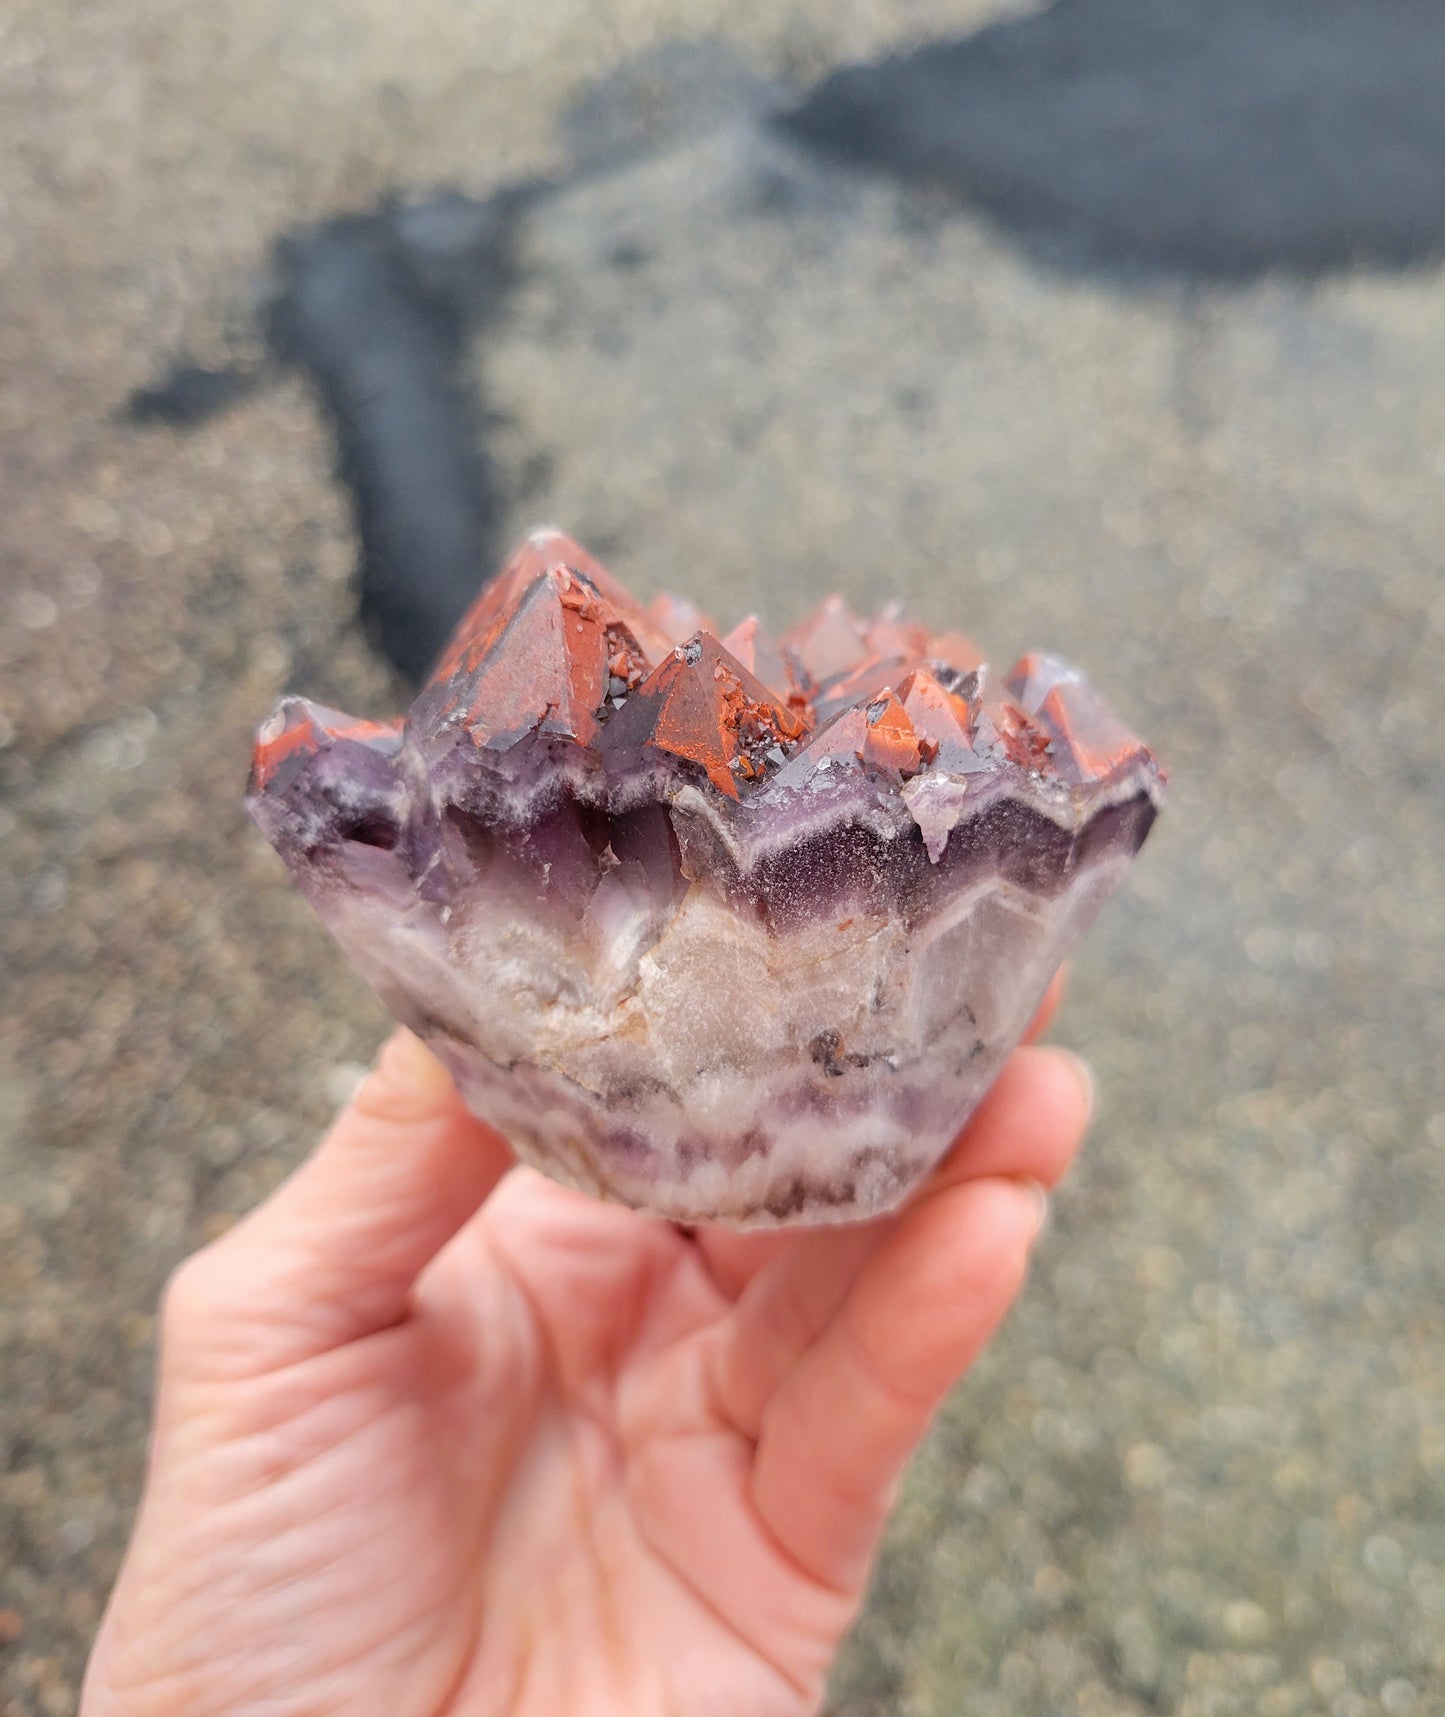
x=1203, y=1471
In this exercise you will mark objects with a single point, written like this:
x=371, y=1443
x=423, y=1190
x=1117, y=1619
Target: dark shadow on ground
x=377, y=308
x=1218, y=139
x=1210, y=140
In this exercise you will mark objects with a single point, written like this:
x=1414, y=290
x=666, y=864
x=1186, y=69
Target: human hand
x=438, y=1438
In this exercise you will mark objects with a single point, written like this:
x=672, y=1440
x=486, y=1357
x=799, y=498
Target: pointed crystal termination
x=326, y=782
x=726, y=929
x=701, y=705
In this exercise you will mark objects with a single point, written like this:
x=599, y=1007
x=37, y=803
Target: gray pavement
x=1203, y=1471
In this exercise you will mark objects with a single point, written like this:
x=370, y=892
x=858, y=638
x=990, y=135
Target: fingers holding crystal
x=837, y=1433
x=782, y=1312
x=1029, y=1126
x=1027, y=1130
x=733, y=1258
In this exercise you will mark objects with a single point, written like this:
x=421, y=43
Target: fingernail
x=1085, y=1075
x=423, y=1071
x=1041, y=1207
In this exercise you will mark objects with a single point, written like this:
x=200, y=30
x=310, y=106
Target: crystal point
x=700, y=705
x=726, y=929
x=830, y=641
x=763, y=658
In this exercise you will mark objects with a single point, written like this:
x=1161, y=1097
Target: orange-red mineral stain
x=555, y=646
x=1096, y=742
x=1086, y=742
x=708, y=709
x=559, y=654
x=891, y=741
x=303, y=726
x=941, y=716
x=543, y=552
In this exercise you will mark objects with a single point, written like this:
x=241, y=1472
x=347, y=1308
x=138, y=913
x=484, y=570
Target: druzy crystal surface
x=725, y=927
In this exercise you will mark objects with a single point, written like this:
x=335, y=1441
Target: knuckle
x=192, y=1298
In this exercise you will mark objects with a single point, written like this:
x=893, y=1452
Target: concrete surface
x=1203, y=1471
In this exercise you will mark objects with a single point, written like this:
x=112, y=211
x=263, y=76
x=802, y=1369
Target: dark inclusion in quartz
x=731, y=929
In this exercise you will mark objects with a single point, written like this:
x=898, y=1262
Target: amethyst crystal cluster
x=729, y=929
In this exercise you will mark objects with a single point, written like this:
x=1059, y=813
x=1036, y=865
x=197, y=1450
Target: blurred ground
x=1204, y=1470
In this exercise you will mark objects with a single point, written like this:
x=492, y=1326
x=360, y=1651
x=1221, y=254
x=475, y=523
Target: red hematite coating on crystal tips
x=940, y=717
x=559, y=655
x=703, y=705
x=300, y=726
x=1088, y=744
x=891, y=741
x=544, y=551
x=1000, y=721
x=557, y=647
x=757, y=652
x=870, y=679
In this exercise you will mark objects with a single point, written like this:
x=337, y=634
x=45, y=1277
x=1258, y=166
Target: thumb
x=332, y=1255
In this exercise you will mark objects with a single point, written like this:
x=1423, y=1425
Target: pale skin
x=437, y=1438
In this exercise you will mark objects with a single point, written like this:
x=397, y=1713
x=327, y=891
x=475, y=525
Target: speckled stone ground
x=1203, y=1472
